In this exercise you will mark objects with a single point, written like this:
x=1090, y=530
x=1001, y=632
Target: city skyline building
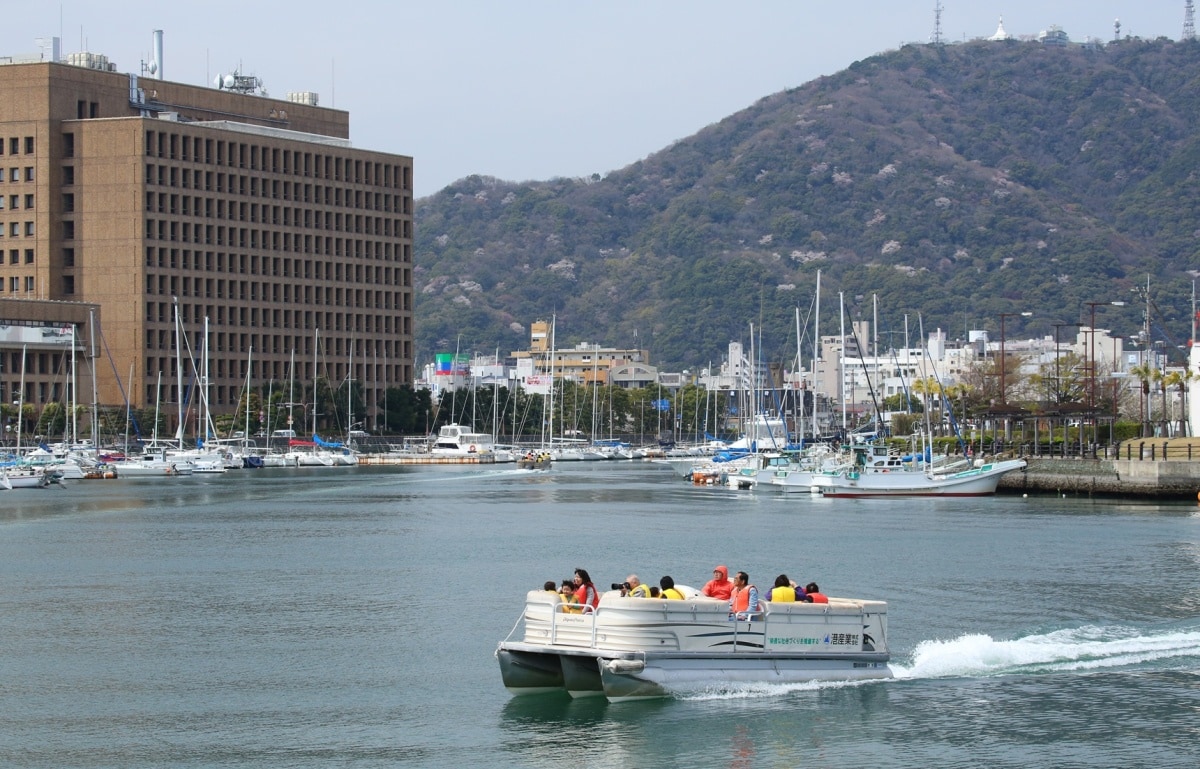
x=250, y=226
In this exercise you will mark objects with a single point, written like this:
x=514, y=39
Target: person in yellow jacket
x=636, y=588
x=668, y=590
x=783, y=591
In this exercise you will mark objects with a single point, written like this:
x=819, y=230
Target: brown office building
x=251, y=213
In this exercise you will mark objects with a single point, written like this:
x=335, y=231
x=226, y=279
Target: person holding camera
x=632, y=587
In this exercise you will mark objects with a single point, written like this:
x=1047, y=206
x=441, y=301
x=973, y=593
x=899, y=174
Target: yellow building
x=584, y=363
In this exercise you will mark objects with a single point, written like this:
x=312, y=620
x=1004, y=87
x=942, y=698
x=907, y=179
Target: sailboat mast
x=178, y=372
x=842, y=358
x=95, y=398
x=797, y=390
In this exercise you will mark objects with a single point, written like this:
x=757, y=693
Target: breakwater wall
x=1151, y=479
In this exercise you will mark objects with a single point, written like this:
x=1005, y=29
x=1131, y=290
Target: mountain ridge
x=952, y=182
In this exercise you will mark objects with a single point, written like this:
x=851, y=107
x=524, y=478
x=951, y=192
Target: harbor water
x=349, y=618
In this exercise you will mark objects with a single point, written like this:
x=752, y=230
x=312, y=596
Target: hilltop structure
x=182, y=209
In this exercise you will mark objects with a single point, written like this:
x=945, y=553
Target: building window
x=28, y=173
x=29, y=256
x=68, y=257
x=28, y=229
x=14, y=284
x=14, y=146
x=69, y=145
x=28, y=145
x=68, y=230
x=29, y=201
x=14, y=174
x=68, y=202
x=68, y=284
x=14, y=229
x=14, y=256
x=28, y=283
x=68, y=174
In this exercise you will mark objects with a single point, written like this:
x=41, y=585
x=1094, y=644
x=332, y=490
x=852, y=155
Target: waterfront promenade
x=1153, y=468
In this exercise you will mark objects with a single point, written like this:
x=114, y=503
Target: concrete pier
x=1142, y=468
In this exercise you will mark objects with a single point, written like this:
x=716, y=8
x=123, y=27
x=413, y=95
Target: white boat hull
x=635, y=648
x=975, y=482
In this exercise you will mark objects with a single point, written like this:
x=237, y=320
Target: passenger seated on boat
x=549, y=587
x=814, y=593
x=743, y=604
x=633, y=588
x=720, y=586
x=568, y=597
x=586, y=594
x=668, y=589
x=783, y=591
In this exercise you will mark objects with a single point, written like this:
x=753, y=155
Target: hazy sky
x=533, y=89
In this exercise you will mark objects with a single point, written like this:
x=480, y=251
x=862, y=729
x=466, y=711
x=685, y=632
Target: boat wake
x=748, y=691
x=979, y=656
x=1084, y=648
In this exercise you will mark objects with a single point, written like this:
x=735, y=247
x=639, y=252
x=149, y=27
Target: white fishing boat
x=635, y=648
x=977, y=481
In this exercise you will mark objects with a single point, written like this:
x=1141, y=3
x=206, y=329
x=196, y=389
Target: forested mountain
x=952, y=182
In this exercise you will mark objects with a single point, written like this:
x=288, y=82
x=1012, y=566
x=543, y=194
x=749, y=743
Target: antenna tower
x=1116, y=30
x=937, y=23
x=1189, y=20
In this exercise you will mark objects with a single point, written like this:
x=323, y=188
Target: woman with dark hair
x=783, y=591
x=586, y=593
x=814, y=593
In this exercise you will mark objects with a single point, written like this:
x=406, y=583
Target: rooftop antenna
x=937, y=23
x=1189, y=20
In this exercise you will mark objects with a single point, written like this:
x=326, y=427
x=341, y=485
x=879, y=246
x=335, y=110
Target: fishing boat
x=979, y=480
x=637, y=648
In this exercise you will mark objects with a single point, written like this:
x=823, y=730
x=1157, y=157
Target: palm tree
x=1178, y=380
x=1144, y=373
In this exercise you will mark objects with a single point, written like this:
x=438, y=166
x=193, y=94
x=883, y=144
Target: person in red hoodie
x=719, y=586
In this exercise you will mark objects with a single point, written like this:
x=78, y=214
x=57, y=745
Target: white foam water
x=1084, y=648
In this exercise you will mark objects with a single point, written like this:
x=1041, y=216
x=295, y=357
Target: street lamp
x=1004, y=315
x=1092, y=357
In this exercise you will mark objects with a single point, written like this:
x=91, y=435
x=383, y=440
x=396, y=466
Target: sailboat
x=14, y=474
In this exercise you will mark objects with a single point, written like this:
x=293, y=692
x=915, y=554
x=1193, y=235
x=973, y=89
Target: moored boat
x=455, y=440
x=636, y=648
x=978, y=481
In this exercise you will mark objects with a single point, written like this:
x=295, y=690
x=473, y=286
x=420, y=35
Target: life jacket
x=819, y=597
x=740, y=600
x=673, y=594
x=784, y=594
x=587, y=595
x=641, y=591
